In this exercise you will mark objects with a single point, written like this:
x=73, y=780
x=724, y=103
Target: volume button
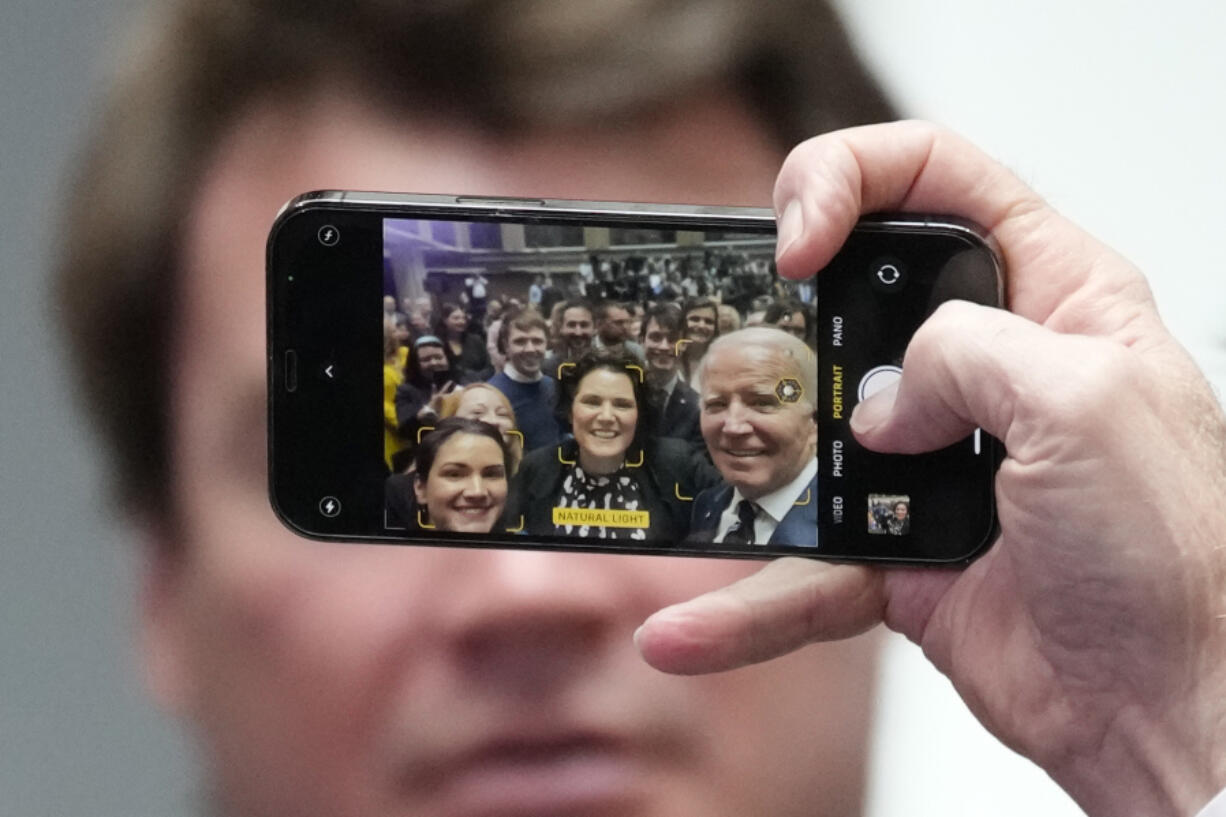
x=291, y=370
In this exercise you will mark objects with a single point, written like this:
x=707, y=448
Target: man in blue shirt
x=532, y=393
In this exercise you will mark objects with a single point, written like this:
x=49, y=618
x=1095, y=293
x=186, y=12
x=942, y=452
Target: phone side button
x=291, y=370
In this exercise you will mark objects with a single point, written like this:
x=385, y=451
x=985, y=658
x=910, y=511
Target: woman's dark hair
x=440, y=322
x=781, y=309
x=412, y=368
x=618, y=363
x=443, y=431
x=440, y=330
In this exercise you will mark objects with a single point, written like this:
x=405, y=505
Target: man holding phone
x=327, y=679
x=1091, y=637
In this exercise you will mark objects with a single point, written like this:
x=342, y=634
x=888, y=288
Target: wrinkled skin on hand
x=1092, y=636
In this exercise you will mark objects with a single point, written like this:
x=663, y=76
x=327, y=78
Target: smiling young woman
x=613, y=463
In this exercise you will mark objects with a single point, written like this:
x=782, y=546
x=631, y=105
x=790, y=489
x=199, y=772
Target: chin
x=606, y=449
x=748, y=483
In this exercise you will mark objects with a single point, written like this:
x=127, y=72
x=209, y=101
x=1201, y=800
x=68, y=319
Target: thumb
x=965, y=367
x=788, y=603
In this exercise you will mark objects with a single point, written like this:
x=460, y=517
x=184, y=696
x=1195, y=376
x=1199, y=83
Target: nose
x=529, y=622
x=474, y=487
x=606, y=413
x=736, y=420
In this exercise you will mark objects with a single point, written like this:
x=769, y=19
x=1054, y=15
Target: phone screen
x=568, y=376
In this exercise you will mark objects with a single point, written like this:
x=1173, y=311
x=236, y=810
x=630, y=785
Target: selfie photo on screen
x=629, y=424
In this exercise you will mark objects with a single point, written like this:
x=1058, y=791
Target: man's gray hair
x=797, y=356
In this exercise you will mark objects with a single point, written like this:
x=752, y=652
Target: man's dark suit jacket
x=798, y=527
x=670, y=467
x=680, y=418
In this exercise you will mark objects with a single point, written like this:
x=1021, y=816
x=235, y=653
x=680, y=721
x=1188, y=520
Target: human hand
x=431, y=410
x=1092, y=636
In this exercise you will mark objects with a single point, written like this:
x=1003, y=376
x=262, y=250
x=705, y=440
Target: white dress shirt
x=771, y=508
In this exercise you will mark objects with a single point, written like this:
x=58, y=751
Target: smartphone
x=634, y=418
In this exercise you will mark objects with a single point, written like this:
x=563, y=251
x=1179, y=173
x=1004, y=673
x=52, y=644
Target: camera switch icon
x=888, y=275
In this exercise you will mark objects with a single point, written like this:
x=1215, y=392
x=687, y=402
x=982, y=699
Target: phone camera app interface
x=571, y=383
x=872, y=302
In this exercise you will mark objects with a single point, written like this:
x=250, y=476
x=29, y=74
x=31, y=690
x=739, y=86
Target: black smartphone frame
x=345, y=273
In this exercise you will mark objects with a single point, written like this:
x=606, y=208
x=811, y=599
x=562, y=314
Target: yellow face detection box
x=601, y=517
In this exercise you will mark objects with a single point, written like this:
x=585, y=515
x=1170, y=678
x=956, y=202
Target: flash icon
x=330, y=507
x=329, y=235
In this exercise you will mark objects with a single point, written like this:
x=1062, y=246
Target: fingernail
x=791, y=226
x=875, y=410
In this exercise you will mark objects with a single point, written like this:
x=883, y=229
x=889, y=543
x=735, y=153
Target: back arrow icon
x=328, y=371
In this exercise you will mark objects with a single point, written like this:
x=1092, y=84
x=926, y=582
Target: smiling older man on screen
x=757, y=389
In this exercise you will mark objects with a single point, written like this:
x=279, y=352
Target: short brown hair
x=524, y=319
x=502, y=64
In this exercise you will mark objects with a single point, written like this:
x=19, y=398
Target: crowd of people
x=637, y=420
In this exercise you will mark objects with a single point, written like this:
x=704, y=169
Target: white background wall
x=1113, y=110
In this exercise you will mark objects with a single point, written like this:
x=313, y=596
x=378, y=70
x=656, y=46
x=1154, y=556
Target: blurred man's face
x=700, y=323
x=577, y=330
x=614, y=327
x=420, y=322
x=362, y=680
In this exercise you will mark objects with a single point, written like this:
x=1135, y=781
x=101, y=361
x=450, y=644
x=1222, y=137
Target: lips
x=570, y=773
x=472, y=518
